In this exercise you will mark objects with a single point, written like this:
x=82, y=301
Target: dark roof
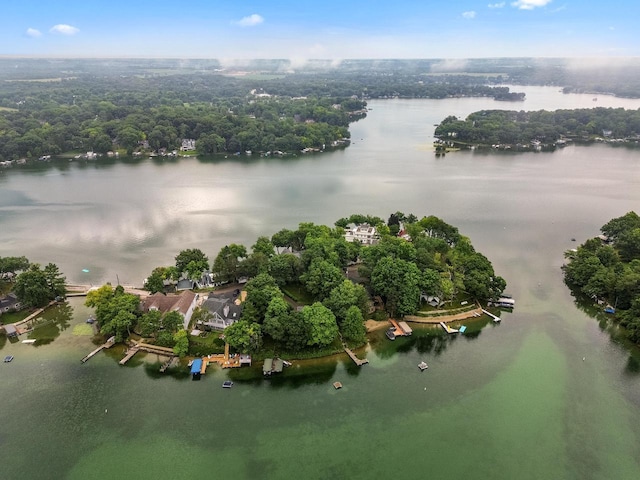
x=225, y=307
x=167, y=303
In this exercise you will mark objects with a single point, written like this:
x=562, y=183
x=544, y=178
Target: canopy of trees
x=36, y=286
x=491, y=127
x=608, y=269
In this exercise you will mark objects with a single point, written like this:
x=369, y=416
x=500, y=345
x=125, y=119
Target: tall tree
x=322, y=324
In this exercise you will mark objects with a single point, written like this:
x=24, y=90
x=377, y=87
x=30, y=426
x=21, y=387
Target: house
x=188, y=144
x=365, y=234
x=9, y=303
x=225, y=310
x=183, y=303
x=431, y=300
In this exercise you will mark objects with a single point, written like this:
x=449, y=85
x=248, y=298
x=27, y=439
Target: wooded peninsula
x=302, y=293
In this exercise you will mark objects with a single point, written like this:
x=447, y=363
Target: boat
x=227, y=384
x=91, y=320
x=337, y=385
x=390, y=334
x=30, y=340
x=8, y=358
x=423, y=366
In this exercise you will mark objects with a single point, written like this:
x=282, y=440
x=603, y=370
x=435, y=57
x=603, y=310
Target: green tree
x=31, y=287
x=149, y=323
x=323, y=328
x=9, y=266
x=276, y=319
x=352, y=327
x=264, y=245
x=155, y=282
x=172, y=321
x=398, y=282
x=261, y=290
x=244, y=336
x=116, y=311
x=344, y=296
x=321, y=278
x=181, y=340
x=226, y=264
x=285, y=268
x=195, y=255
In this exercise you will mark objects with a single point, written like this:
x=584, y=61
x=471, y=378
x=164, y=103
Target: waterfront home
x=10, y=330
x=188, y=144
x=183, y=303
x=9, y=303
x=365, y=234
x=225, y=310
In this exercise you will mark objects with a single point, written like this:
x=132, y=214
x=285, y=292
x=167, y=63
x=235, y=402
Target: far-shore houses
x=364, y=233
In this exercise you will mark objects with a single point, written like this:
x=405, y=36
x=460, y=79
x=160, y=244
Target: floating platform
x=337, y=385
x=423, y=366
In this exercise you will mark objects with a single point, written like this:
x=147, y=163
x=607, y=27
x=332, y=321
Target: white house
x=365, y=234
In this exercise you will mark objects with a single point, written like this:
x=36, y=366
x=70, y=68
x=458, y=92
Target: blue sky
x=302, y=29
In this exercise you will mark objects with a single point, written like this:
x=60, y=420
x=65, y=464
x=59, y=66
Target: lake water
x=548, y=393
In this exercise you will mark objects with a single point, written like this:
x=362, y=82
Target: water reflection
x=53, y=321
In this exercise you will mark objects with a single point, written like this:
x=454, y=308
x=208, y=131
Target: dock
x=169, y=363
x=448, y=329
x=145, y=347
x=359, y=362
x=495, y=319
x=400, y=329
x=108, y=344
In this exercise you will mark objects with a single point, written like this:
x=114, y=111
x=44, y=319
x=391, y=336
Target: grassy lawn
x=297, y=292
x=206, y=345
x=13, y=317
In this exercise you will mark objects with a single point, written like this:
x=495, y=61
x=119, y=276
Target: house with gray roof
x=225, y=310
x=9, y=303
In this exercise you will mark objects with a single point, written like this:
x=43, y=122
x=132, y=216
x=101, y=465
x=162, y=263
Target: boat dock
x=359, y=362
x=108, y=344
x=401, y=329
x=448, y=329
x=495, y=319
x=169, y=363
x=145, y=347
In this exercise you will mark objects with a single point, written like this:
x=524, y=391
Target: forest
x=502, y=127
x=99, y=112
x=606, y=269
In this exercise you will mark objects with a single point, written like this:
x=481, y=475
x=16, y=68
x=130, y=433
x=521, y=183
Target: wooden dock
x=495, y=319
x=169, y=363
x=448, y=329
x=108, y=344
x=145, y=347
x=355, y=359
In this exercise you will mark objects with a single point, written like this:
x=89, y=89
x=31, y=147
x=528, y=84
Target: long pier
x=355, y=359
x=495, y=319
x=448, y=329
x=108, y=344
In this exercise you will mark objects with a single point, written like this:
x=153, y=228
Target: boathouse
x=196, y=366
x=271, y=366
x=10, y=330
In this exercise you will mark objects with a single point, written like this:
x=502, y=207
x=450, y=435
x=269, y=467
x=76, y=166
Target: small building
x=10, y=330
x=406, y=329
x=271, y=366
x=196, y=366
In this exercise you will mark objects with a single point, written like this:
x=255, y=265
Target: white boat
x=31, y=340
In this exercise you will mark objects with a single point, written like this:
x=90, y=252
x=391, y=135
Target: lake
x=549, y=393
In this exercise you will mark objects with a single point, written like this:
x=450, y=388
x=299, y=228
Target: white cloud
x=64, y=29
x=251, y=20
x=469, y=15
x=33, y=33
x=496, y=5
x=530, y=4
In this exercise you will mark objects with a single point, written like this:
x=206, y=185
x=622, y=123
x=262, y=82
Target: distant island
x=606, y=270
x=541, y=130
x=301, y=293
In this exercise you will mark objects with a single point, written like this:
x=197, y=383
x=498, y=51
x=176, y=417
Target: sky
x=326, y=29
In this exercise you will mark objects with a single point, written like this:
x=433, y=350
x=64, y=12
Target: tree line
x=34, y=285
x=490, y=127
x=607, y=269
